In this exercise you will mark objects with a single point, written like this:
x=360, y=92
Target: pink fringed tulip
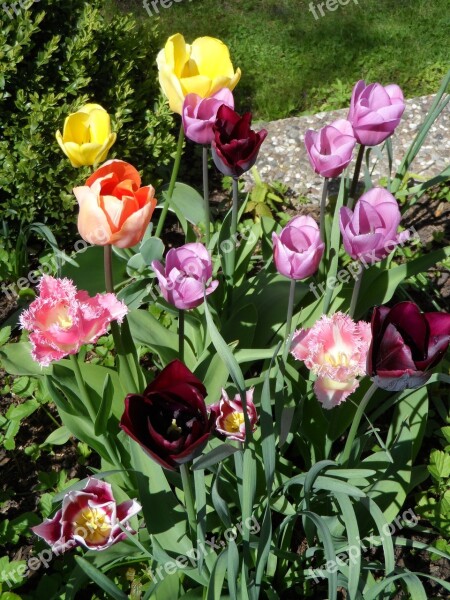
x=230, y=415
x=114, y=208
x=335, y=349
x=375, y=112
x=199, y=114
x=330, y=149
x=62, y=319
x=406, y=345
x=370, y=233
x=298, y=250
x=187, y=272
x=89, y=517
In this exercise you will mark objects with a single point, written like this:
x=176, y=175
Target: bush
x=55, y=57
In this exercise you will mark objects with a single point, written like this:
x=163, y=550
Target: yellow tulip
x=87, y=137
x=202, y=68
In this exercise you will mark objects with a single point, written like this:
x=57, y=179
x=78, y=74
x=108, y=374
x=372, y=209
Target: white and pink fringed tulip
x=335, y=349
x=62, y=319
x=89, y=517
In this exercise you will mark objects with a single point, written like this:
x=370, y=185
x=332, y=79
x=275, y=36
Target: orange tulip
x=114, y=209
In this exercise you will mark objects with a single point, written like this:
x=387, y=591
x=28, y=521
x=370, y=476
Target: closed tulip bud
x=298, y=250
x=375, y=112
x=370, y=232
x=330, y=149
x=87, y=137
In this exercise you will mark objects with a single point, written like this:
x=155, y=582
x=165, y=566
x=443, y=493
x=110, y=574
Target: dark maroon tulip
x=169, y=420
x=406, y=344
x=235, y=145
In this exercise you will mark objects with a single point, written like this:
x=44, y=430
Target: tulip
x=370, y=233
x=187, y=271
x=235, y=145
x=89, y=517
x=334, y=349
x=202, y=68
x=199, y=114
x=330, y=149
x=169, y=420
x=406, y=344
x=62, y=319
x=298, y=250
x=87, y=137
x=114, y=209
x=229, y=415
x=375, y=112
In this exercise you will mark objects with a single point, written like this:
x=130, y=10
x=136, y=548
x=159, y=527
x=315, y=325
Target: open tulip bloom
x=331, y=375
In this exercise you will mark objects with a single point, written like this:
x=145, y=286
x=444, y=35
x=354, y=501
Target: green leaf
x=22, y=411
x=5, y=332
x=212, y=458
x=439, y=466
x=100, y=579
x=104, y=411
x=58, y=437
x=148, y=331
x=152, y=249
x=89, y=273
x=16, y=360
x=189, y=203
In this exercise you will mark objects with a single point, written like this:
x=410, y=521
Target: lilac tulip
x=369, y=232
x=330, y=149
x=298, y=250
x=375, y=112
x=199, y=114
x=185, y=276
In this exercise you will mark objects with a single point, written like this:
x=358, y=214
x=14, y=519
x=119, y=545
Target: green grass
x=292, y=63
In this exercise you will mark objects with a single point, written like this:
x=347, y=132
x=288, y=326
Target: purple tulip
x=169, y=420
x=370, y=232
x=199, y=114
x=89, y=517
x=375, y=112
x=235, y=145
x=187, y=271
x=406, y=344
x=298, y=250
x=330, y=149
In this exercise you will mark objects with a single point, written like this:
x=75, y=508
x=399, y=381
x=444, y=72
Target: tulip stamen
x=174, y=428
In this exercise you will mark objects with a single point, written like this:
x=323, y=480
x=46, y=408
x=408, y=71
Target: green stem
x=290, y=312
x=355, y=293
x=188, y=498
x=355, y=424
x=206, y=195
x=173, y=179
x=322, y=209
x=125, y=368
x=356, y=176
x=233, y=230
x=181, y=334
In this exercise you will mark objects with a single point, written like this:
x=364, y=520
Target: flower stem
x=322, y=208
x=173, y=179
x=355, y=293
x=233, y=230
x=356, y=176
x=206, y=195
x=355, y=424
x=188, y=498
x=181, y=334
x=290, y=311
x=129, y=381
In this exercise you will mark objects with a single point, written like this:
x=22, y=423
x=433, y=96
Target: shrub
x=56, y=56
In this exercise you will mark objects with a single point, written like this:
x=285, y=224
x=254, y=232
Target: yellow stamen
x=93, y=524
x=173, y=427
x=233, y=422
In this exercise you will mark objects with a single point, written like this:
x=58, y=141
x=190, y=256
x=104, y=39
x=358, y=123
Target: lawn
x=294, y=63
